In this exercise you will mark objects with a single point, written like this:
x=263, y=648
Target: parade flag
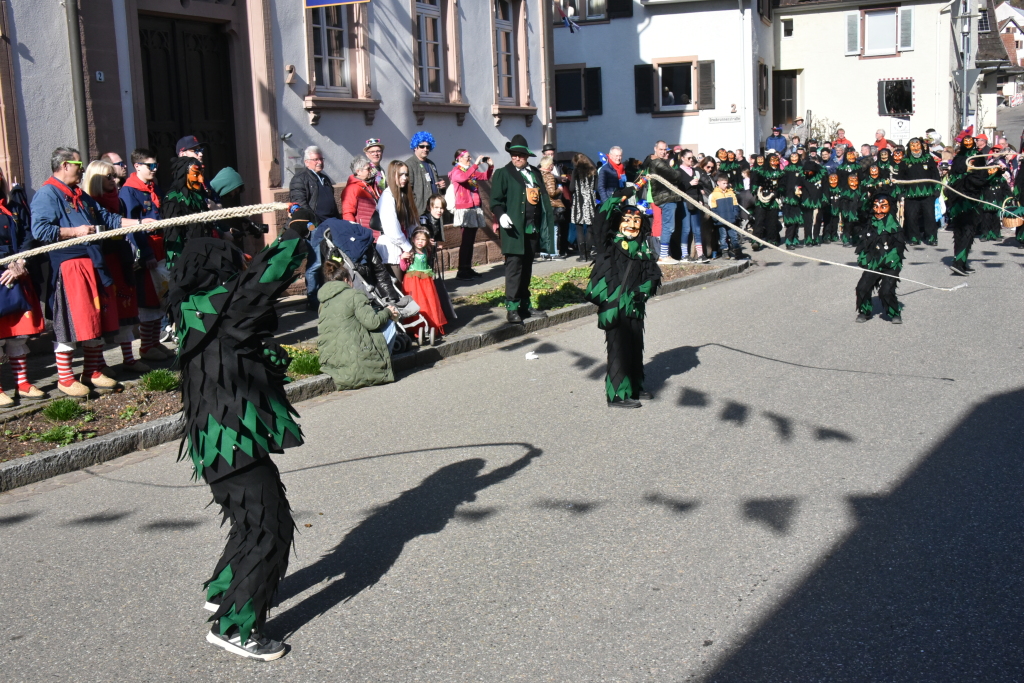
x=329, y=3
x=569, y=23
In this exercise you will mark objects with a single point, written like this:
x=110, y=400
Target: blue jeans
x=691, y=224
x=575, y=231
x=314, y=275
x=732, y=235
x=668, y=225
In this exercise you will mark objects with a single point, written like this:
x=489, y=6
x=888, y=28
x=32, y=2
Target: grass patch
x=128, y=413
x=63, y=410
x=160, y=380
x=63, y=435
x=303, y=362
x=550, y=292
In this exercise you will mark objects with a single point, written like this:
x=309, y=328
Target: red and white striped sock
x=19, y=366
x=150, y=332
x=126, y=353
x=93, y=360
x=64, y=374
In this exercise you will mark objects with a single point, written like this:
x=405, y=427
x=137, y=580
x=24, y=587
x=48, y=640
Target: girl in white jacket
x=397, y=218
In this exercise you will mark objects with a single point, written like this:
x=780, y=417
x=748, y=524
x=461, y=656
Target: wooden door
x=186, y=74
x=783, y=97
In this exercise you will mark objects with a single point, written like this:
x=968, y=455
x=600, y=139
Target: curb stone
x=35, y=468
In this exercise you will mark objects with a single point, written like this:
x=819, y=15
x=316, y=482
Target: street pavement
x=806, y=499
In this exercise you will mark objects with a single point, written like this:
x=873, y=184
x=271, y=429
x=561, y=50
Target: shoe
x=474, y=273
x=32, y=394
x=790, y=247
x=75, y=389
x=669, y=261
x=211, y=606
x=257, y=647
x=957, y=271
x=533, y=313
x=167, y=334
x=863, y=317
x=98, y=381
x=156, y=353
x=582, y=259
x=968, y=269
x=702, y=259
x=896, y=320
x=625, y=403
x=514, y=318
x=5, y=401
x=465, y=275
x=645, y=396
x=137, y=367
x=557, y=257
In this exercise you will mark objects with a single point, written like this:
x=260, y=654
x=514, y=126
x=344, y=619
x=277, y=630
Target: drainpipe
x=547, y=51
x=747, y=64
x=77, y=77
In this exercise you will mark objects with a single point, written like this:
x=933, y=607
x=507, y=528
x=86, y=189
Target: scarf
x=110, y=201
x=620, y=171
x=73, y=196
x=136, y=184
x=4, y=209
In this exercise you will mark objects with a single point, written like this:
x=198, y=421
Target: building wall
x=341, y=134
x=705, y=29
x=42, y=72
x=844, y=88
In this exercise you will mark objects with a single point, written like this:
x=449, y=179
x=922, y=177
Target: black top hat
x=548, y=148
x=518, y=144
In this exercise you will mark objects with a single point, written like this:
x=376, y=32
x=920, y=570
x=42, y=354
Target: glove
x=506, y=221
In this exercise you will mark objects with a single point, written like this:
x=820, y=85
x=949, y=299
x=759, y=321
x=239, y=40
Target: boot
x=384, y=282
x=581, y=244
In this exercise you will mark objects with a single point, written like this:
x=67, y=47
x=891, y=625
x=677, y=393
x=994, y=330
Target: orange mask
x=195, y=177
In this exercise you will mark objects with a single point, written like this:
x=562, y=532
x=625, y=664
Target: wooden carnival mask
x=630, y=224
x=883, y=155
x=915, y=148
x=794, y=158
x=897, y=156
x=851, y=156
x=773, y=161
x=833, y=180
x=873, y=172
x=968, y=142
x=853, y=181
x=732, y=156
x=194, y=180
x=880, y=207
x=722, y=155
x=759, y=160
x=993, y=169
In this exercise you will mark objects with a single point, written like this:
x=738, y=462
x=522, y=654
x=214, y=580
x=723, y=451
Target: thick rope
x=947, y=188
x=715, y=217
x=202, y=217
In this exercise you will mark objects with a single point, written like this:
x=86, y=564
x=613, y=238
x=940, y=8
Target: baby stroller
x=370, y=275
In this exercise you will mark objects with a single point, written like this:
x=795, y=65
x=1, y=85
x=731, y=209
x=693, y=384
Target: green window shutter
x=643, y=86
x=706, y=84
x=592, y=98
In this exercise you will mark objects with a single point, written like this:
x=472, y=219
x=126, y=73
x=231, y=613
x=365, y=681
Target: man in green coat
x=523, y=210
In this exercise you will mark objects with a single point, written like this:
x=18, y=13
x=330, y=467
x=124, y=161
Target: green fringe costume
x=181, y=200
x=881, y=248
x=963, y=213
x=852, y=205
x=919, y=199
x=990, y=223
x=816, y=207
x=236, y=411
x=624, y=277
x=767, y=180
x=793, y=193
x=830, y=227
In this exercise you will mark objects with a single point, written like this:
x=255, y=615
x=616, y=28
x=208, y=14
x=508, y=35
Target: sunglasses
x=75, y=163
x=119, y=163
x=152, y=166
x=422, y=146
x=110, y=176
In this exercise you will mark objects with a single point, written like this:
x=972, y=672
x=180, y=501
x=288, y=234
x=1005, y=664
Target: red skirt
x=29, y=322
x=421, y=288
x=83, y=309
x=124, y=293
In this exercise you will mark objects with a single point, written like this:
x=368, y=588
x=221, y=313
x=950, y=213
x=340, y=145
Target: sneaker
x=702, y=259
x=625, y=403
x=897, y=320
x=669, y=261
x=645, y=396
x=863, y=318
x=167, y=334
x=257, y=647
x=957, y=271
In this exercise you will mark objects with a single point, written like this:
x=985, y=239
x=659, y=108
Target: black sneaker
x=968, y=269
x=514, y=318
x=625, y=403
x=863, y=318
x=645, y=396
x=257, y=647
x=957, y=271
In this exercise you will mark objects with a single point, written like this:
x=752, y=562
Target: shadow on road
x=926, y=587
x=369, y=550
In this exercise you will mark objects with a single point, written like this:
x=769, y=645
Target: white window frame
x=430, y=12
x=694, y=94
x=593, y=15
x=983, y=14
x=858, y=20
x=318, y=18
x=508, y=27
x=866, y=37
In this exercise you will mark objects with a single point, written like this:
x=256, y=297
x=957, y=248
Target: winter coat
x=305, y=188
x=607, y=182
x=359, y=201
x=508, y=195
x=393, y=241
x=581, y=189
x=352, y=347
x=467, y=196
x=660, y=194
x=553, y=189
x=419, y=179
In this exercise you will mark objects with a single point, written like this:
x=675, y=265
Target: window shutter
x=620, y=9
x=706, y=84
x=592, y=99
x=883, y=109
x=853, y=33
x=643, y=86
x=906, y=29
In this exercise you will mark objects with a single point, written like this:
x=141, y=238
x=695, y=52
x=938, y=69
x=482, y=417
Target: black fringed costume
x=625, y=275
x=793, y=193
x=881, y=248
x=236, y=412
x=919, y=198
x=185, y=196
x=765, y=184
x=963, y=211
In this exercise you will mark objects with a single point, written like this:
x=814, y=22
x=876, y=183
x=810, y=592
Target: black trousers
x=518, y=270
x=919, y=220
x=886, y=291
x=766, y=223
x=466, y=249
x=964, y=226
x=989, y=225
x=625, y=343
x=256, y=555
x=830, y=224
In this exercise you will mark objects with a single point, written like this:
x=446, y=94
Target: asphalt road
x=806, y=499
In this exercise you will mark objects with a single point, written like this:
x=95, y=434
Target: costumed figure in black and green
x=830, y=226
x=793, y=193
x=963, y=210
x=730, y=167
x=236, y=415
x=996, y=191
x=849, y=167
x=186, y=195
x=1018, y=195
x=852, y=205
x=919, y=197
x=885, y=163
x=814, y=202
x=766, y=184
x=624, y=277
x=881, y=249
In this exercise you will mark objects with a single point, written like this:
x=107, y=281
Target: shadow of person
x=369, y=550
x=668, y=364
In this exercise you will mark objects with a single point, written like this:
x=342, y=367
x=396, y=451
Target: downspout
x=746, y=81
x=77, y=77
x=547, y=52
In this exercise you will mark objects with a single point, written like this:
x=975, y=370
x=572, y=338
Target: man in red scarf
x=80, y=304
x=141, y=200
x=612, y=175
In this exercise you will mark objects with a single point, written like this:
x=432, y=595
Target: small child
x=433, y=220
x=723, y=203
x=745, y=173
x=419, y=280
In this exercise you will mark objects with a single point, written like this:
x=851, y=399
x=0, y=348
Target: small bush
x=62, y=410
x=159, y=380
x=304, y=363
